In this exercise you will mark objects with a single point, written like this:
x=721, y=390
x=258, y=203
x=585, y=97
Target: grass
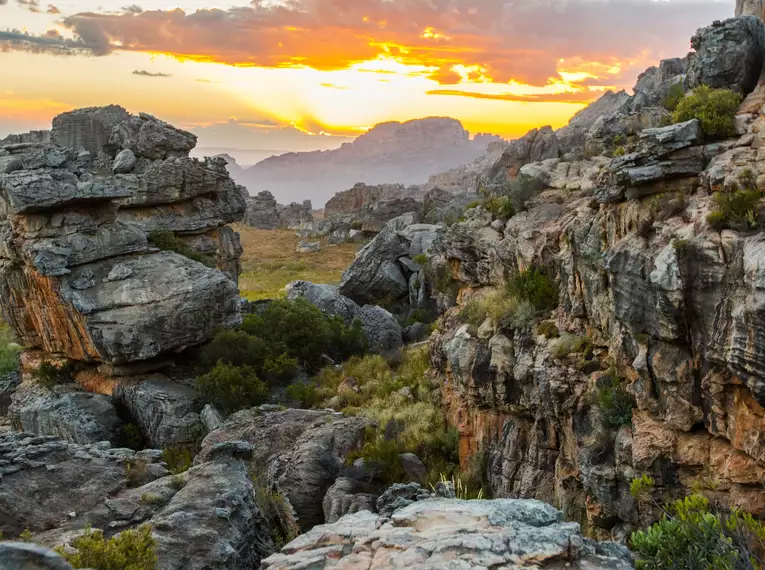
x=270, y=262
x=9, y=350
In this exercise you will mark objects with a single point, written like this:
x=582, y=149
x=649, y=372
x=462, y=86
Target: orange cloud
x=572, y=97
x=520, y=41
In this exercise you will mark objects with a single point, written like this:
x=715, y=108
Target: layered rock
x=440, y=533
x=360, y=195
x=78, y=273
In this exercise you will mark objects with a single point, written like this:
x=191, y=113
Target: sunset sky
x=287, y=74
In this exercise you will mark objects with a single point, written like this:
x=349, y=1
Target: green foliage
x=179, y=459
x=445, y=283
x=419, y=316
x=535, y=286
x=620, y=140
x=667, y=205
x=357, y=226
x=573, y=344
x=548, y=329
x=714, y=108
x=462, y=489
x=473, y=204
x=695, y=535
x=346, y=341
x=473, y=312
x=231, y=388
x=501, y=307
x=619, y=151
x=9, y=350
x=167, y=240
x=304, y=393
x=177, y=482
x=129, y=550
x=642, y=487
x=737, y=209
x=747, y=179
x=518, y=191
x=420, y=259
x=130, y=437
x=615, y=403
x=674, y=95
x=50, y=374
x=150, y=499
x=501, y=207
x=26, y=536
x=276, y=513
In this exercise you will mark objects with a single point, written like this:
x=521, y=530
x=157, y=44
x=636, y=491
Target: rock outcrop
x=78, y=274
x=360, y=195
x=441, y=533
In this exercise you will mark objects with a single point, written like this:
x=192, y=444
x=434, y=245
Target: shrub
x=445, y=283
x=473, y=204
x=619, y=151
x=276, y=513
x=420, y=259
x=150, y=499
x=357, y=226
x=620, y=140
x=304, y=393
x=674, y=95
x=668, y=205
x=50, y=374
x=236, y=348
x=231, y=388
x=548, y=329
x=738, y=210
x=130, y=437
x=129, y=550
x=535, y=286
x=179, y=459
x=345, y=342
x=501, y=207
x=573, y=344
x=694, y=534
x=167, y=240
x=9, y=350
x=714, y=108
x=615, y=403
x=26, y=536
x=177, y=482
x=473, y=313
x=419, y=316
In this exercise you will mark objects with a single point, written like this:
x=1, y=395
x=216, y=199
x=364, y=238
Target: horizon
x=309, y=75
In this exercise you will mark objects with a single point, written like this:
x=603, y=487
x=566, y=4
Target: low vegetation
x=168, y=241
x=738, y=206
x=276, y=513
x=236, y=369
x=9, y=350
x=50, y=374
x=270, y=262
x=129, y=550
x=674, y=95
x=614, y=402
x=695, y=533
x=714, y=108
x=179, y=459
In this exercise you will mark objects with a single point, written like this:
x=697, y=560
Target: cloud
x=132, y=9
x=568, y=97
x=31, y=5
x=506, y=40
x=53, y=10
x=144, y=73
x=52, y=42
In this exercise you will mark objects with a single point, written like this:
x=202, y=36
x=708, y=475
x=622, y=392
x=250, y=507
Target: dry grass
x=270, y=262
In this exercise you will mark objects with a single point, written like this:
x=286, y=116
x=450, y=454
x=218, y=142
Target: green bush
x=419, y=316
x=445, y=283
x=738, y=210
x=615, y=403
x=167, y=240
x=620, y=140
x=714, y=108
x=535, y=286
x=9, y=350
x=420, y=259
x=129, y=550
x=548, y=329
x=619, y=151
x=473, y=312
x=231, y=388
x=179, y=459
x=130, y=437
x=276, y=512
x=473, y=204
x=502, y=207
x=304, y=393
x=695, y=535
x=674, y=95
x=50, y=374
x=346, y=341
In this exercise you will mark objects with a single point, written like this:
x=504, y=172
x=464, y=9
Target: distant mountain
x=397, y=153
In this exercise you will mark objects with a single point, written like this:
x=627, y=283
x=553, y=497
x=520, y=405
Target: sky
x=284, y=75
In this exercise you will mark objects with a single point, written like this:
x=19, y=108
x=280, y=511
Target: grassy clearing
x=270, y=262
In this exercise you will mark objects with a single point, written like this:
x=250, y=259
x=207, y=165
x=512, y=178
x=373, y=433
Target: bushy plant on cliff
x=231, y=388
x=614, y=402
x=9, y=350
x=49, y=374
x=714, y=108
x=168, y=241
x=276, y=512
x=674, y=95
x=501, y=207
x=535, y=286
x=129, y=550
x=737, y=209
x=695, y=534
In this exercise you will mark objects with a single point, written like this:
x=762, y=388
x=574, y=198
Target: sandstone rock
x=426, y=534
x=308, y=247
x=749, y=8
x=327, y=298
x=535, y=146
x=382, y=329
x=398, y=496
x=347, y=496
x=45, y=478
x=64, y=411
x=728, y=54
x=361, y=195
x=164, y=411
x=262, y=211
x=124, y=162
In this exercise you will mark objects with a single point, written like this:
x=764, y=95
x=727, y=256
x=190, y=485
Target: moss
x=548, y=329
x=619, y=151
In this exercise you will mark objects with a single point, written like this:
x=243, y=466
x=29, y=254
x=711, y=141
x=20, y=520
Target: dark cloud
x=132, y=9
x=572, y=97
x=144, y=73
x=31, y=5
x=51, y=42
x=496, y=39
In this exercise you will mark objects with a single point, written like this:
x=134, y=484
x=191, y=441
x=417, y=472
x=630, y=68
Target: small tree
x=231, y=388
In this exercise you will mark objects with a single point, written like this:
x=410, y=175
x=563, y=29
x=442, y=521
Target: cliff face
x=403, y=153
x=665, y=306
x=80, y=276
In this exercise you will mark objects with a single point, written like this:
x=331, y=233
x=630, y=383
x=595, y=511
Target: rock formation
x=79, y=276
x=403, y=153
x=360, y=195
x=444, y=533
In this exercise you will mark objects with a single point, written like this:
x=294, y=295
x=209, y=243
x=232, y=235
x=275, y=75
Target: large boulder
x=65, y=411
x=78, y=277
x=728, y=54
x=382, y=329
x=347, y=496
x=262, y=211
x=165, y=412
x=326, y=298
x=502, y=533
